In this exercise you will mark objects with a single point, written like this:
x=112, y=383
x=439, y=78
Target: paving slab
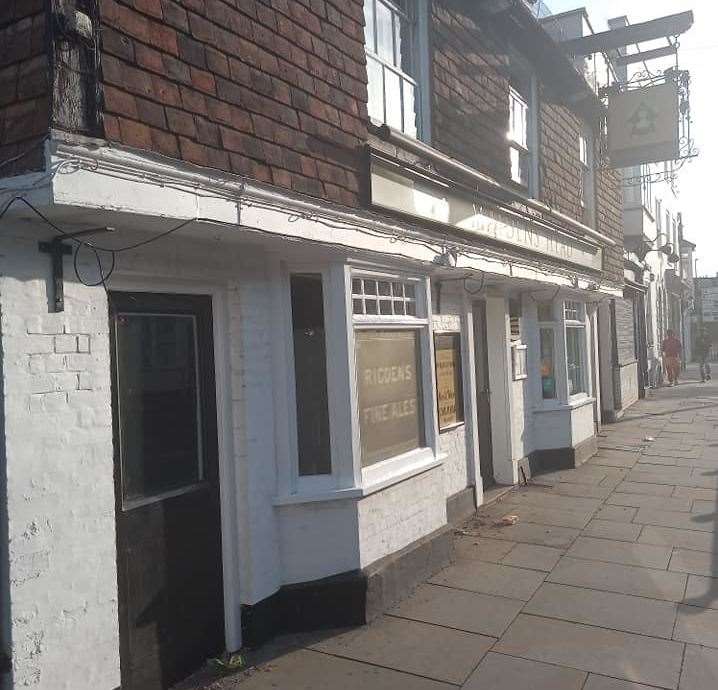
x=695, y=494
x=697, y=625
x=705, y=507
x=620, y=552
x=604, y=609
x=622, y=655
x=583, y=475
x=610, y=529
x=304, y=669
x=614, y=458
x=528, y=533
x=645, y=501
x=645, y=488
x=479, y=549
x=580, y=490
x=412, y=647
x=533, y=557
x=661, y=475
x=539, y=515
x=456, y=608
x=500, y=672
x=595, y=682
x=550, y=499
x=700, y=668
x=669, y=518
x=624, y=579
x=695, y=562
x=670, y=536
x=490, y=578
x=616, y=513
x=702, y=591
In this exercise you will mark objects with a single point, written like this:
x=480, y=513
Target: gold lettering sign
x=389, y=393
x=449, y=392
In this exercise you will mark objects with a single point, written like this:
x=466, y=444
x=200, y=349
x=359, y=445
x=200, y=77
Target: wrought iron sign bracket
x=58, y=250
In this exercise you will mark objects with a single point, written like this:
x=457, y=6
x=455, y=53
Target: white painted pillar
x=497, y=326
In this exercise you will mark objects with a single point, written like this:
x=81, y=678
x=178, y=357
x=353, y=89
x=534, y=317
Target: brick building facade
x=325, y=251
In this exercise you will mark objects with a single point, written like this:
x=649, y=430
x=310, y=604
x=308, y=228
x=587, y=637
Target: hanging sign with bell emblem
x=643, y=125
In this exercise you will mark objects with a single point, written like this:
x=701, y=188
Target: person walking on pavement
x=703, y=350
x=671, y=349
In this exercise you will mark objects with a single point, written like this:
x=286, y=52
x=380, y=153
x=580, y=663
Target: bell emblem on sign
x=643, y=120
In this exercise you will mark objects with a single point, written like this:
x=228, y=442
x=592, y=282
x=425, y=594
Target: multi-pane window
x=518, y=136
x=574, y=318
x=371, y=297
x=389, y=374
x=393, y=89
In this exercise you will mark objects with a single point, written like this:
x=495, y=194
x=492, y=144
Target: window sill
x=411, y=465
x=572, y=404
x=451, y=427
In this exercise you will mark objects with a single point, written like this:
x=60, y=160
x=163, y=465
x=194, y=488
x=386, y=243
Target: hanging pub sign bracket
x=58, y=250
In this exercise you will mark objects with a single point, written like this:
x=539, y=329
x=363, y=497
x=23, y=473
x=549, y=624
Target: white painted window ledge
x=381, y=476
x=570, y=405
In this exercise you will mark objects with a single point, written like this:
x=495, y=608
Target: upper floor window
x=586, y=182
x=518, y=136
x=391, y=64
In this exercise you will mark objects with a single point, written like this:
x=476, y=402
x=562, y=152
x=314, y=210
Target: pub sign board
x=643, y=126
x=389, y=393
x=449, y=389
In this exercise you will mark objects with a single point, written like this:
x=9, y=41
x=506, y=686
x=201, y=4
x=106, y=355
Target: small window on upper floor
x=587, y=191
x=390, y=39
x=519, y=138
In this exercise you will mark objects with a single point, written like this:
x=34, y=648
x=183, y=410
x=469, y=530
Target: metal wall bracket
x=57, y=249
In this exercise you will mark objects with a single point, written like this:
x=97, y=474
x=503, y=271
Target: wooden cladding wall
x=272, y=89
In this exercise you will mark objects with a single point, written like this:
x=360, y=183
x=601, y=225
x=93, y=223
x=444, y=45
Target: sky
x=698, y=53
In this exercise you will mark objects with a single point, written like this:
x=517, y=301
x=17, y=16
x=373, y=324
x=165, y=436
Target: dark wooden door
x=483, y=394
x=169, y=565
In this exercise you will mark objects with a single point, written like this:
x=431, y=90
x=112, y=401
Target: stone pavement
x=607, y=581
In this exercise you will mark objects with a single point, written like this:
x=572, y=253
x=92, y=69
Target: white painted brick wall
x=58, y=476
x=391, y=519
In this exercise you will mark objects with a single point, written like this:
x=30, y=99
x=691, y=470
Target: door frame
x=229, y=481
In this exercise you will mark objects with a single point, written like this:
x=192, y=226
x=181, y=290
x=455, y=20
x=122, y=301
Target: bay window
x=575, y=324
x=393, y=63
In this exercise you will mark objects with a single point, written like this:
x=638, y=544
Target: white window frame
x=386, y=472
x=588, y=180
x=526, y=145
x=579, y=324
x=319, y=483
x=553, y=326
x=559, y=325
x=417, y=16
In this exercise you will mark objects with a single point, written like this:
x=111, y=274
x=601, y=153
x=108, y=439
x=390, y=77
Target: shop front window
x=574, y=316
x=548, y=364
x=389, y=372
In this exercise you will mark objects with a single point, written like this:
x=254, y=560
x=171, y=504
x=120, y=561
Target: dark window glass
x=159, y=413
x=310, y=373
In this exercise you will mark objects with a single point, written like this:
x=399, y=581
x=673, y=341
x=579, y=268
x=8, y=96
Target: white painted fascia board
x=108, y=178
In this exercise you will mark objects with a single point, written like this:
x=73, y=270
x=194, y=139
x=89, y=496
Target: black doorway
x=169, y=561
x=483, y=394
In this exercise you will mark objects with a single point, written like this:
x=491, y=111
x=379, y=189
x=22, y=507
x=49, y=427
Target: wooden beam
x=645, y=55
x=663, y=27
